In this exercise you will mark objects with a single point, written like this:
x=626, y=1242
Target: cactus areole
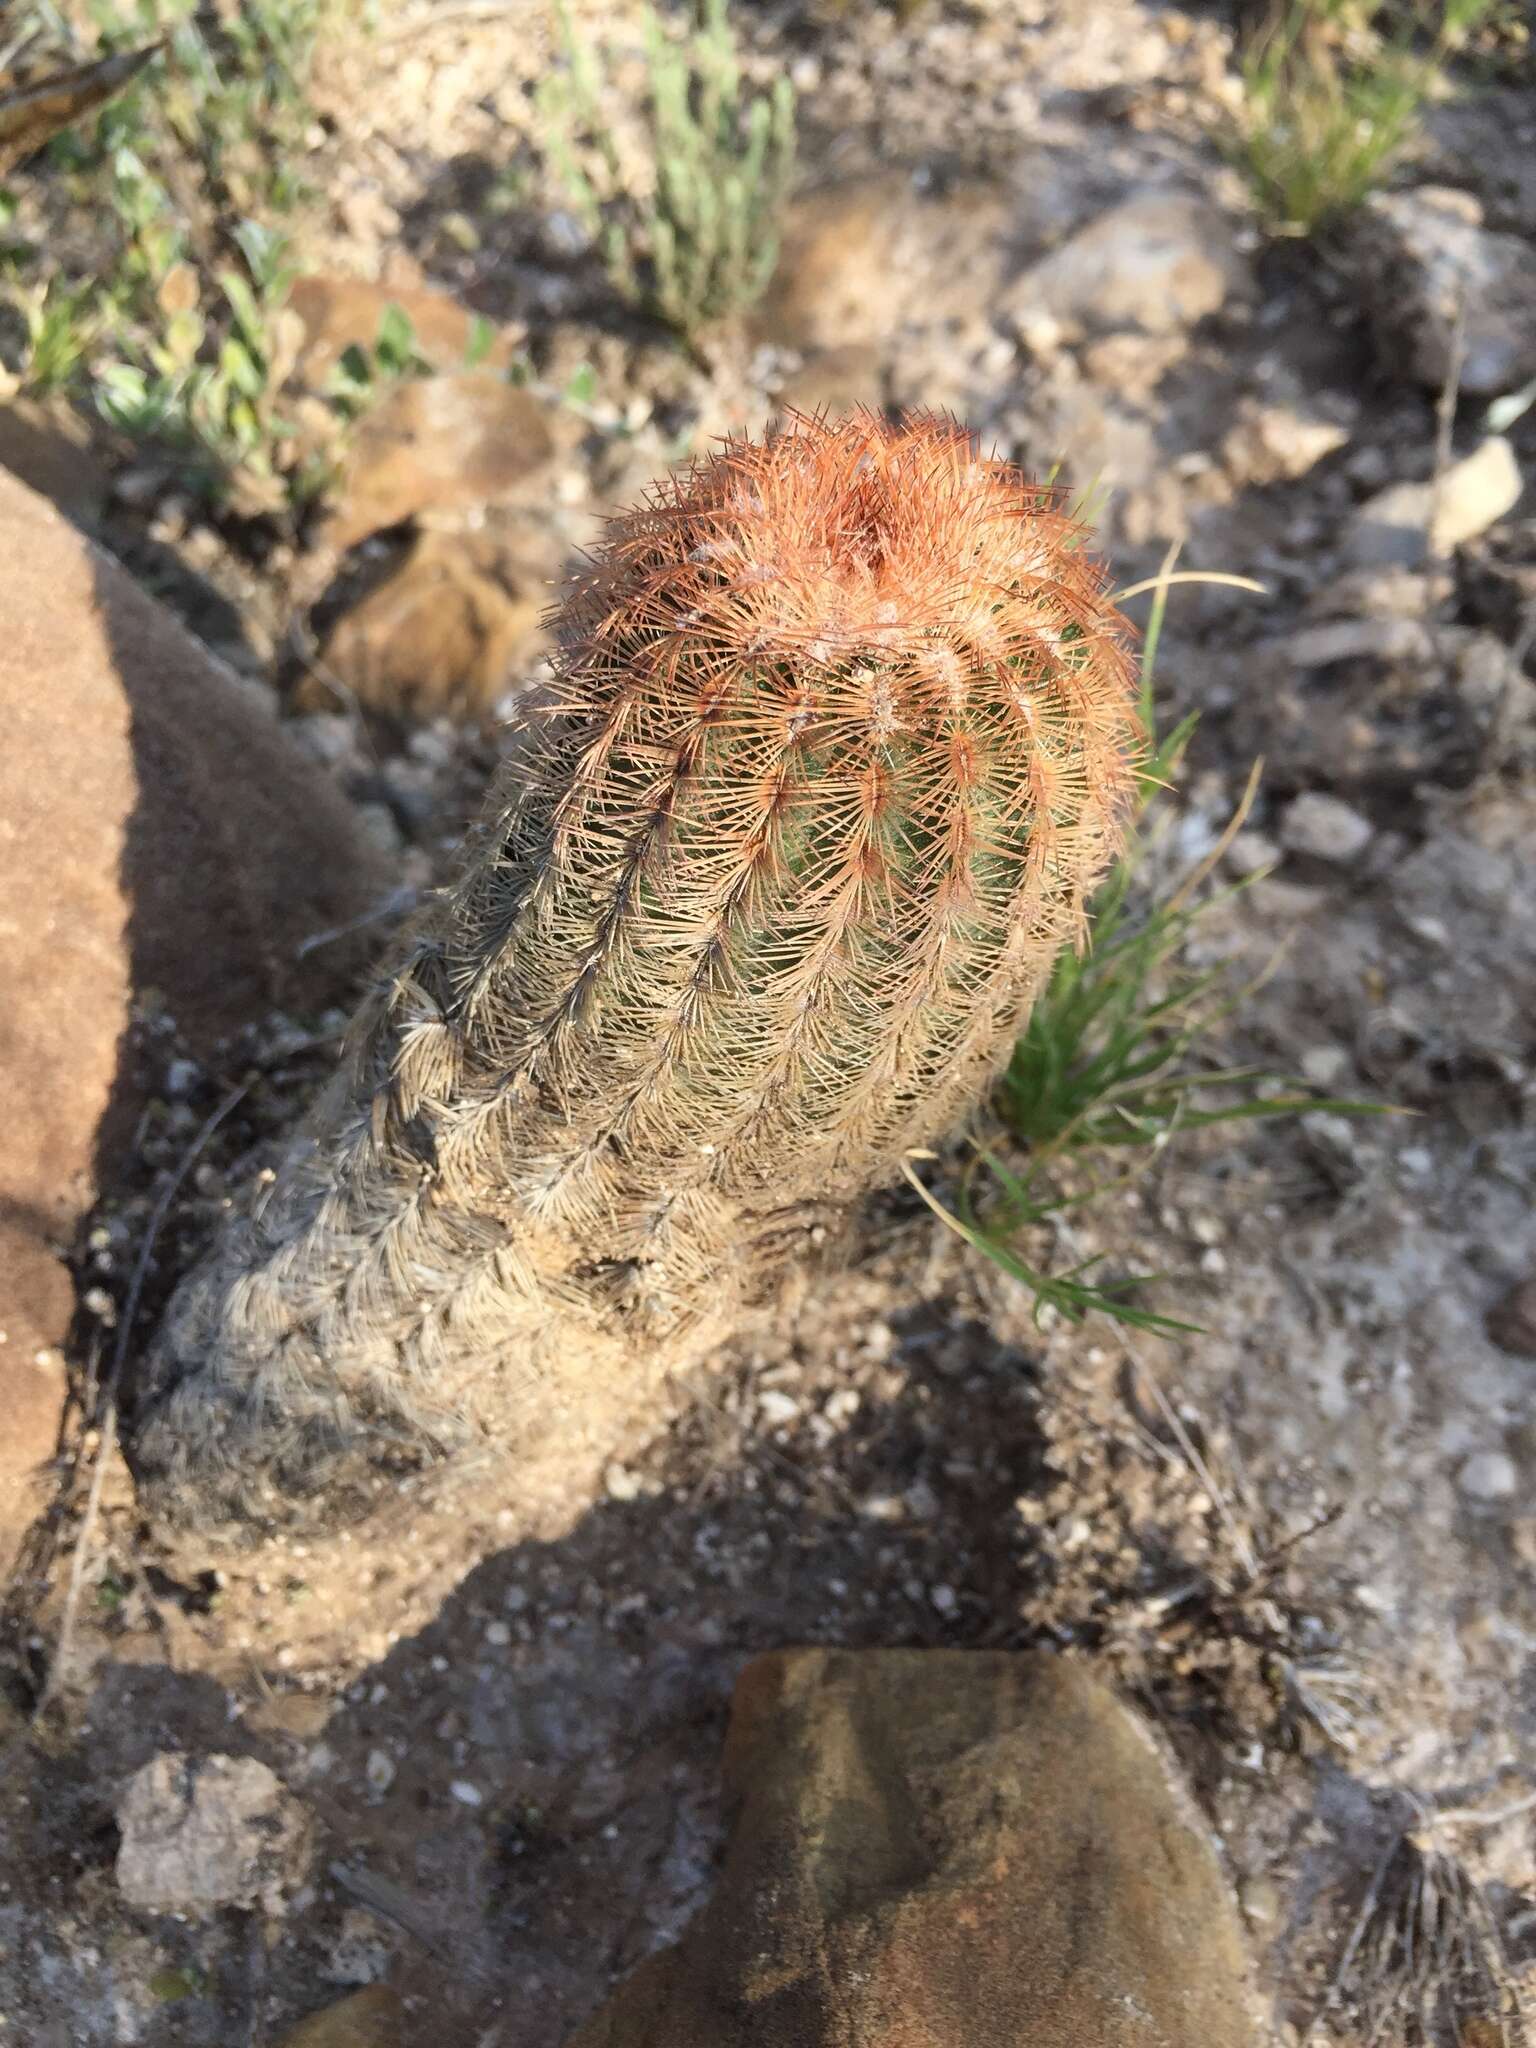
x=842, y=732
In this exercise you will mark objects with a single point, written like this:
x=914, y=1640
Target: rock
x=446, y=632
x=1131, y=366
x=835, y=380
x=946, y=1848
x=1250, y=853
x=1277, y=443
x=200, y=1833
x=1512, y=1321
x=48, y=448
x=362, y=1951
x=1369, y=724
x=859, y=257
x=368, y=2019
x=1489, y=1476
x=435, y=444
x=338, y=313
x=1406, y=523
x=1334, y=1144
x=1375, y=639
x=1475, y=494
x=1155, y=265
x=1115, y=449
x=1323, y=828
x=1422, y=255
x=132, y=762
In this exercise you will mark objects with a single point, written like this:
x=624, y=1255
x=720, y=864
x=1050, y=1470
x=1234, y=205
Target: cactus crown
x=841, y=736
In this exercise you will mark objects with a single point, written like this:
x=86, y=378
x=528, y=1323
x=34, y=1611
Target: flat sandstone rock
x=946, y=1849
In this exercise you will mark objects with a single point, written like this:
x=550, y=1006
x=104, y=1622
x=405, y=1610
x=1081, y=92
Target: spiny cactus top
x=841, y=735
x=848, y=733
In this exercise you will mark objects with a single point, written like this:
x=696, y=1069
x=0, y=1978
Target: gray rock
x=1331, y=1140
x=1406, y=523
x=1489, y=1476
x=1402, y=639
x=1155, y=265
x=199, y=1833
x=1251, y=854
x=1422, y=254
x=1324, y=828
x=964, y=1849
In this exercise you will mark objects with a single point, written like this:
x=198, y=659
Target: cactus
x=841, y=735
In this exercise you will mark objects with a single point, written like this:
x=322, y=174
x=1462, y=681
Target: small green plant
x=211, y=385
x=361, y=373
x=1332, y=96
x=224, y=125
x=170, y=1986
x=156, y=291
x=54, y=325
x=701, y=242
x=1112, y=1060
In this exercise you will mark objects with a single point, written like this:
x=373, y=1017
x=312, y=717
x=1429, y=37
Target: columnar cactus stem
x=841, y=736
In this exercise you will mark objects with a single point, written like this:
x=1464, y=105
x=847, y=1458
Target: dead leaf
x=32, y=113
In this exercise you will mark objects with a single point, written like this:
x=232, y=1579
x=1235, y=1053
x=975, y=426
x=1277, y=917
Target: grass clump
x=1332, y=95
x=698, y=240
x=1113, y=1064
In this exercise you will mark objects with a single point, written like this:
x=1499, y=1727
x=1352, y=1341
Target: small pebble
x=883, y=1507
x=181, y=1077
x=1489, y=1476
x=380, y=1770
x=619, y=1483
x=467, y=1794
x=1325, y=828
x=101, y=1305
x=1324, y=1065
x=498, y=1635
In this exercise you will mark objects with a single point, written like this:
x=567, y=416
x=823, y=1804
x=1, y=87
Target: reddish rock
x=946, y=1849
x=436, y=444
x=339, y=313
x=368, y=2019
x=157, y=832
x=862, y=255
x=48, y=447
x=446, y=632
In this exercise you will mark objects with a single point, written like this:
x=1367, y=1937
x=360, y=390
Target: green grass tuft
x=1112, y=1067
x=1332, y=96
